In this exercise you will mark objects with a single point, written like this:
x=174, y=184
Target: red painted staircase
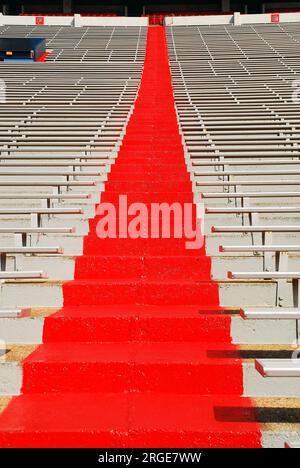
x=140, y=355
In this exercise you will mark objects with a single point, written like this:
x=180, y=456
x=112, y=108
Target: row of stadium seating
x=92, y=44
x=240, y=126
x=60, y=131
x=56, y=114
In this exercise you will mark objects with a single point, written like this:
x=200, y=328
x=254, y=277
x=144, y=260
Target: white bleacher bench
x=247, y=173
x=253, y=212
x=245, y=229
x=278, y=367
x=224, y=162
x=48, y=196
x=52, y=173
x=58, y=184
x=264, y=275
x=259, y=248
x=254, y=209
x=245, y=154
x=37, y=213
x=292, y=445
x=17, y=251
x=280, y=251
x=53, y=163
x=48, y=211
x=280, y=313
x=10, y=313
x=22, y=235
x=14, y=275
x=58, y=157
x=265, y=231
x=46, y=199
x=236, y=183
x=30, y=250
x=249, y=194
x=42, y=230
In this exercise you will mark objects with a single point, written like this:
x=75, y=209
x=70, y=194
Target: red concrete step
x=125, y=165
x=137, y=175
x=163, y=247
x=102, y=292
x=156, y=156
x=135, y=366
x=151, y=146
x=150, y=267
x=151, y=136
x=167, y=134
x=127, y=186
x=129, y=420
x=175, y=221
x=149, y=197
x=137, y=323
x=173, y=169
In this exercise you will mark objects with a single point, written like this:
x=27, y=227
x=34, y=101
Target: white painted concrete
x=237, y=19
x=263, y=331
x=198, y=20
x=257, y=386
x=76, y=20
x=10, y=379
x=22, y=330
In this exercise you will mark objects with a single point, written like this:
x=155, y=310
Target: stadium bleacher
x=90, y=325
x=233, y=95
x=61, y=128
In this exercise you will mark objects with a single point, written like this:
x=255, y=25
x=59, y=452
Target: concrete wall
x=112, y=21
x=266, y=18
x=198, y=20
x=75, y=20
x=237, y=19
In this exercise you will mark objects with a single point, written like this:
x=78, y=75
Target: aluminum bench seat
x=34, y=196
x=30, y=250
x=261, y=162
x=62, y=173
x=40, y=211
x=53, y=163
x=254, y=209
x=15, y=275
x=267, y=275
x=58, y=157
x=260, y=229
x=50, y=183
x=37, y=230
x=249, y=194
x=10, y=313
x=279, y=313
x=278, y=367
x=236, y=183
x=246, y=173
x=291, y=444
x=259, y=248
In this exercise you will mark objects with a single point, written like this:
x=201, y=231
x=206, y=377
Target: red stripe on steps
x=43, y=57
x=140, y=354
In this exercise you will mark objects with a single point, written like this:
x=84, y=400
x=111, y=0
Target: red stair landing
x=141, y=354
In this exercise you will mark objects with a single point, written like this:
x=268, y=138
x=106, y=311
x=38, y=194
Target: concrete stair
x=104, y=377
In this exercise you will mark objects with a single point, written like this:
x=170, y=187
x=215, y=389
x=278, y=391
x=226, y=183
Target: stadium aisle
x=139, y=356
